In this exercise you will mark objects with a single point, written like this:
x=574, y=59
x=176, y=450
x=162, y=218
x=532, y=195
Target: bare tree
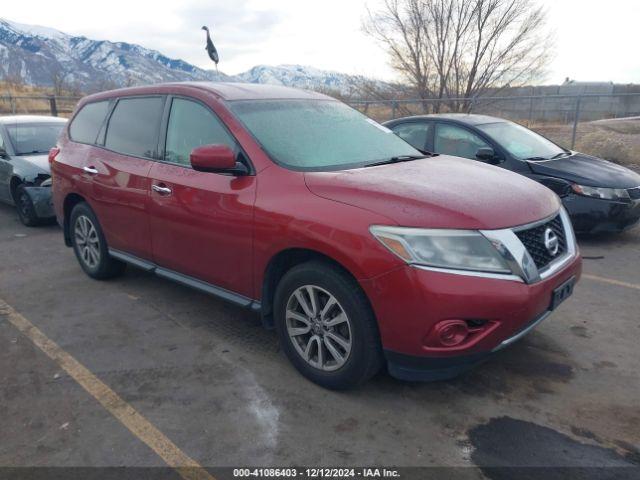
x=59, y=80
x=448, y=49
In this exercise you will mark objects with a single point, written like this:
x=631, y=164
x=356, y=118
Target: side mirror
x=487, y=154
x=216, y=159
x=3, y=153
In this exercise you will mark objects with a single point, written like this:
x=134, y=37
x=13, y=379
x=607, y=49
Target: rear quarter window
x=86, y=124
x=134, y=125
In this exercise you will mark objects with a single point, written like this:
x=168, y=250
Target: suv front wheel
x=90, y=245
x=326, y=326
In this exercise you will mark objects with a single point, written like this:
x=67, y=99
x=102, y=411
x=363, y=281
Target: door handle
x=91, y=170
x=161, y=190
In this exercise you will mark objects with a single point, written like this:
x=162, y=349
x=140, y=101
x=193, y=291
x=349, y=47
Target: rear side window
x=192, y=125
x=414, y=133
x=87, y=122
x=457, y=141
x=133, y=127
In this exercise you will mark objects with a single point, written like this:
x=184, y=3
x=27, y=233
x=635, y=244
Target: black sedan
x=600, y=196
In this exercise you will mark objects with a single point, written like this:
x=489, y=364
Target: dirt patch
x=580, y=331
x=506, y=448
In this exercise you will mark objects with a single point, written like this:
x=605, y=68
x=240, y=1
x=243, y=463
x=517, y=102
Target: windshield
x=318, y=134
x=34, y=138
x=521, y=142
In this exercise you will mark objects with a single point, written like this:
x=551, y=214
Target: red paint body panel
x=288, y=216
x=440, y=192
x=226, y=230
x=205, y=227
x=120, y=199
x=409, y=301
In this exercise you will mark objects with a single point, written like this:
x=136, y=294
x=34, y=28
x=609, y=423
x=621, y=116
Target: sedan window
x=414, y=133
x=457, y=141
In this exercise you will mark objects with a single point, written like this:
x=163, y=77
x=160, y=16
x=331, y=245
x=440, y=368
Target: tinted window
x=34, y=138
x=133, y=127
x=87, y=122
x=318, y=134
x=192, y=125
x=452, y=140
x=414, y=133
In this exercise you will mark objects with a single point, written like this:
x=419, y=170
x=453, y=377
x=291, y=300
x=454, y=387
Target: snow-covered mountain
x=44, y=56
x=309, y=78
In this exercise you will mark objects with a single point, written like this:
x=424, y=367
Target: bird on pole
x=211, y=48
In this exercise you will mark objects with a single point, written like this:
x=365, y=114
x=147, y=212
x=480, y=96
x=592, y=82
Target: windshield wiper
x=561, y=154
x=398, y=159
x=32, y=152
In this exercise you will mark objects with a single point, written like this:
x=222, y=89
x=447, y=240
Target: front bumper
x=429, y=369
x=409, y=302
x=593, y=215
x=42, y=201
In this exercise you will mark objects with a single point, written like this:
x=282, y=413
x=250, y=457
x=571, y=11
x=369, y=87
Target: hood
x=439, y=192
x=587, y=170
x=41, y=162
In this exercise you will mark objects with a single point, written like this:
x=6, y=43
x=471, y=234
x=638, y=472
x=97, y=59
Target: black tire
x=24, y=205
x=102, y=267
x=365, y=357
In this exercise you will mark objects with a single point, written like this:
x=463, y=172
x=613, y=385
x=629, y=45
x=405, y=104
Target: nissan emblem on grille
x=551, y=241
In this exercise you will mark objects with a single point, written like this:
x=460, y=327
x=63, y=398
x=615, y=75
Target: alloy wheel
x=318, y=327
x=87, y=241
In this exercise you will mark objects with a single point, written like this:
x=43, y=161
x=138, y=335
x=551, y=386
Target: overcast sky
x=596, y=40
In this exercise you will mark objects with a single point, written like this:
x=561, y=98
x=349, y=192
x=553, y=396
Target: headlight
x=603, y=193
x=454, y=249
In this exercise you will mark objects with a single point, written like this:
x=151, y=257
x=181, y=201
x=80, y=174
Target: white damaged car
x=25, y=178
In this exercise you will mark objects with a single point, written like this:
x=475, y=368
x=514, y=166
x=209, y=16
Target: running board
x=192, y=282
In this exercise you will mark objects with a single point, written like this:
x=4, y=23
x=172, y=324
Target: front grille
x=634, y=193
x=533, y=240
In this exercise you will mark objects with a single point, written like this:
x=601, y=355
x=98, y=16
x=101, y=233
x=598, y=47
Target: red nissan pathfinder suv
x=357, y=248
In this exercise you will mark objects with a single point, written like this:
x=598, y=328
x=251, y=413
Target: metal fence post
x=53, y=106
x=531, y=108
x=576, y=119
x=394, y=107
x=12, y=100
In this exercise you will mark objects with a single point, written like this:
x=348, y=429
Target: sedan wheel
x=24, y=205
x=318, y=327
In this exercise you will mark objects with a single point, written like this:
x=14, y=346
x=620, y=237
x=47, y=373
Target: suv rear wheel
x=90, y=245
x=326, y=326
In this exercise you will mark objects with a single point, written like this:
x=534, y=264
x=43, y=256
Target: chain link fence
x=605, y=125
x=58, y=106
